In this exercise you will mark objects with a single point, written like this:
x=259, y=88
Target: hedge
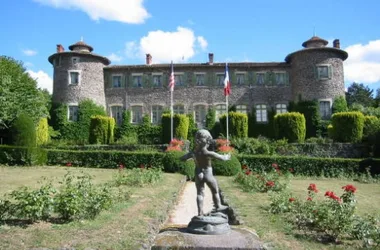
x=347, y=126
x=237, y=124
x=101, y=130
x=309, y=166
x=42, y=132
x=370, y=129
x=310, y=109
x=23, y=156
x=291, y=126
x=226, y=168
x=256, y=129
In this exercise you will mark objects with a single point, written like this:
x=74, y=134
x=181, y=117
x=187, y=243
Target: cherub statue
x=203, y=169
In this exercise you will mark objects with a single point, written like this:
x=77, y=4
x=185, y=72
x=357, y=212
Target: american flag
x=171, y=79
x=227, y=84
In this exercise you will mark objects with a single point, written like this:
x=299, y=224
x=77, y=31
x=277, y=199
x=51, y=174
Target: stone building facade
x=312, y=73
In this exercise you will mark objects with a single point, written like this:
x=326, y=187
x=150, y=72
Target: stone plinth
x=178, y=238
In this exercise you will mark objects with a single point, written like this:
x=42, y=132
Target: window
x=280, y=78
x=117, y=114
x=220, y=79
x=74, y=60
x=57, y=61
x=178, y=109
x=178, y=80
x=261, y=113
x=116, y=81
x=220, y=109
x=73, y=113
x=323, y=71
x=241, y=109
x=325, y=109
x=240, y=78
x=137, y=80
x=200, y=115
x=156, y=114
x=260, y=78
x=281, y=108
x=74, y=77
x=136, y=114
x=200, y=79
x=157, y=80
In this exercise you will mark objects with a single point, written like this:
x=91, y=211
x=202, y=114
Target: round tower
x=317, y=71
x=78, y=74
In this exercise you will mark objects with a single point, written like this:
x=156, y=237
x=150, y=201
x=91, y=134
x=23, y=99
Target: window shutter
x=286, y=78
x=109, y=81
x=253, y=80
x=123, y=80
x=184, y=79
x=316, y=73
x=330, y=71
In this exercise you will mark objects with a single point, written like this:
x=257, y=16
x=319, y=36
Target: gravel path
x=186, y=206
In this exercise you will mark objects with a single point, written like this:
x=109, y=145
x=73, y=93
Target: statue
x=203, y=169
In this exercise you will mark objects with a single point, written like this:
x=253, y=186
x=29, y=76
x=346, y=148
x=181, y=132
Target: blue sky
x=241, y=30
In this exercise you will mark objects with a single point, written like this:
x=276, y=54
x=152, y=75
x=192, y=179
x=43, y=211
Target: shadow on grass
x=24, y=223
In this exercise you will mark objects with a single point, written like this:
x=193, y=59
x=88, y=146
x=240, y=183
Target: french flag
x=227, y=84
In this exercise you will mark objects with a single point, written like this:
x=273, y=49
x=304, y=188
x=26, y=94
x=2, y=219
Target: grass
x=274, y=230
x=127, y=225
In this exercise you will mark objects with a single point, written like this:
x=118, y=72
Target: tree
x=18, y=94
x=360, y=94
x=377, y=98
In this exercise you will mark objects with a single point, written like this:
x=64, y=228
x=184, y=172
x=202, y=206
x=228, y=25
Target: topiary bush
x=173, y=164
x=291, y=126
x=23, y=131
x=256, y=129
x=371, y=127
x=101, y=129
x=42, y=132
x=226, y=168
x=237, y=124
x=180, y=127
x=310, y=109
x=339, y=105
x=347, y=126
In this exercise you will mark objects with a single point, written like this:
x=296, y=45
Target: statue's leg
x=200, y=185
x=213, y=185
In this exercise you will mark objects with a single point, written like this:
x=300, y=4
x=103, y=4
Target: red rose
x=270, y=184
x=291, y=170
x=291, y=199
x=68, y=164
x=349, y=188
x=312, y=187
x=309, y=198
x=275, y=165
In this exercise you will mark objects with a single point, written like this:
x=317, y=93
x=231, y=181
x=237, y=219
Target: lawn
x=127, y=225
x=274, y=230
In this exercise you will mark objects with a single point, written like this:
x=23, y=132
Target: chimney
x=336, y=43
x=60, y=48
x=148, y=59
x=210, y=58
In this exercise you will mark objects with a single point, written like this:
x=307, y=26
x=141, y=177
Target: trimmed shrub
x=348, y=126
x=180, y=127
x=237, y=124
x=126, y=129
x=148, y=133
x=310, y=109
x=226, y=168
x=371, y=127
x=291, y=126
x=23, y=131
x=339, y=105
x=192, y=128
x=30, y=156
x=101, y=129
x=300, y=165
x=173, y=164
x=42, y=132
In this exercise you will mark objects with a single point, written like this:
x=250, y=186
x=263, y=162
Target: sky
x=186, y=31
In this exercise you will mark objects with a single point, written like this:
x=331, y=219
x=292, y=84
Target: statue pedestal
x=213, y=223
x=179, y=238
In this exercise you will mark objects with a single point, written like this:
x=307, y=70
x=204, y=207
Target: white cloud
x=125, y=11
x=165, y=46
x=29, y=52
x=28, y=64
x=114, y=58
x=43, y=79
x=363, y=63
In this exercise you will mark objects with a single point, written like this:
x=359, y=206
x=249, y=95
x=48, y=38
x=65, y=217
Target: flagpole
x=171, y=115
x=228, y=143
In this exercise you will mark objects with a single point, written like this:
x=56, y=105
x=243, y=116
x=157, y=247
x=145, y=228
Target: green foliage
x=23, y=131
x=42, y=132
x=101, y=129
x=360, y=94
x=22, y=156
x=79, y=198
x=210, y=123
x=301, y=165
x=339, y=105
x=310, y=109
x=192, y=128
x=256, y=129
x=259, y=145
x=291, y=126
x=367, y=229
x=172, y=163
x=33, y=204
x=237, y=124
x=148, y=133
x=348, y=126
x=371, y=128
x=137, y=177
x=180, y=127
x=226, y=168
x=126, y=129
x=19, y=94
